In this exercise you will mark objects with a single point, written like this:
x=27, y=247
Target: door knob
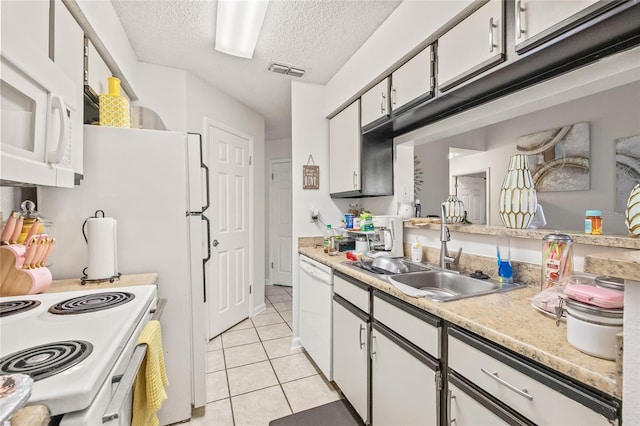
x=215, y=243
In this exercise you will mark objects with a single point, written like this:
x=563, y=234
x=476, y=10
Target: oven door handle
x=158, y=310
x=125, y=385
x=125, y=381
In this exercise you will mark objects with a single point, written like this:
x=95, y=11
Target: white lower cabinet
x=404, y=382
x=537, y=395
x=351, y=354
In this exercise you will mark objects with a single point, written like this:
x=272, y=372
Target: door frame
x=208, y=122
x=272, y=162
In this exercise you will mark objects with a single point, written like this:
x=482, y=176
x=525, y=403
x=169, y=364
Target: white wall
x=203, y=100
x=612, y=114
x=164, y=90
x=396, y=38
x=309, y=136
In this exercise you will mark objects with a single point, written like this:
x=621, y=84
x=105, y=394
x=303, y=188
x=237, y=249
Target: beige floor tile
x=260, y=407
x=245, y=354
x=293, y=367
x=279, y=298
x=287, y=316
x=216, y=386
x=216, y=413
x=215, y=361
x=268, y=310
x=290, y=324
x=274, y=289
x=277, y=348
x=239, y=337
x=309, y=392
x=242, y=325
x=251, y=377
x=214, y=344
x=270, y=332
x=289, y=290
x=283, y=306
x=266, y=319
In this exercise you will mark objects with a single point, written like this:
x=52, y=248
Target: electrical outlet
x=314, y=215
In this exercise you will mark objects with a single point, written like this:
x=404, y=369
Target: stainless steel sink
x=444, y=286
x=382, y=267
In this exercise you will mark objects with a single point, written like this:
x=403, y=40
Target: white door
x=280, y=224
x=472, y=192
x=229, y=272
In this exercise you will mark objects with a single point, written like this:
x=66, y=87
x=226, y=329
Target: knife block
x=15, y=281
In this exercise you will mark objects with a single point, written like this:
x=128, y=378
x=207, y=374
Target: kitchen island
x=508, y=320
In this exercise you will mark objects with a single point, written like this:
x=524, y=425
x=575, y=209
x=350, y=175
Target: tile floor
x=253, y=375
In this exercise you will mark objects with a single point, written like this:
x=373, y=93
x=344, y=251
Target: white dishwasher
x=316, y=295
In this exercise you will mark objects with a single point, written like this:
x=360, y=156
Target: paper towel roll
x=102, y=242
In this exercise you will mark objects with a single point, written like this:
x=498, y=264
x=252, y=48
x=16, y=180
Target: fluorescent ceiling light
x=238, y=25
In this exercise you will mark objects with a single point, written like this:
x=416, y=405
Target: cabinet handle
x=519, y=10
x=373, y=352
x=360, y=336
x=393, y=98
x=491, y=41
x=383, y=107
x=450, y=396
x=355, y=180
x=494, y=375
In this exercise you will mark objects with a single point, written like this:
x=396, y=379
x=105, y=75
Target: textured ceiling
x=316, y=35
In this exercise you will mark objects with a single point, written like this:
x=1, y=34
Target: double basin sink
x=439, y=285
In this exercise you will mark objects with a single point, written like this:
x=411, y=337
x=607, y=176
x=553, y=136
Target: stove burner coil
x=91, y=303
x=17, y=306
x=44, y=361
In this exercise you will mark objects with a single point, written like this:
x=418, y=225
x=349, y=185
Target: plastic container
x=418, y=208
x=416, y=251
x=557, y=259
x=593, y=222
x=596, y=296
x=348, y=220
x=328, y=239
x=592, y=329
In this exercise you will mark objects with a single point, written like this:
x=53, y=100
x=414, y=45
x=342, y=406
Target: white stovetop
x=107, y=330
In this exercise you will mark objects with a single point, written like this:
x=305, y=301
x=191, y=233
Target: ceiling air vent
x=286, y=70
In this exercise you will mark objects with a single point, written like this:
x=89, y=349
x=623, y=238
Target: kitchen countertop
x=507, y=319
x=124, y=281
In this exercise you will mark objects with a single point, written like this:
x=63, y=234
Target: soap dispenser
x=114, y=108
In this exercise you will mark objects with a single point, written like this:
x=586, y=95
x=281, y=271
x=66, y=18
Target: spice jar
x=593, y=222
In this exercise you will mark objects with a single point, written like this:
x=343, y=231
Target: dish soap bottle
x=114, y=108
x=416, y=251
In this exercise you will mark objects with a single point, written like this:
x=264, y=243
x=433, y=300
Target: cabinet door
x=463, y=410
x=350, y=356
x=25, y=25
x=375, y=102
x=97, y=71
x=412, y=80
x=535, y=17
x=403, y=387
x=472, y=46
x=344, y=150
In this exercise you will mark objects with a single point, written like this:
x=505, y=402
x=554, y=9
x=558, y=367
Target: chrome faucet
x=445, y=237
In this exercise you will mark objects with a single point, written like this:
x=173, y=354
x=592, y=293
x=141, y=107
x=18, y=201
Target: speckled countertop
x=506, y=319
x=124, y=281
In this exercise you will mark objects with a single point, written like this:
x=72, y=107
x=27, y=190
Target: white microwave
x=37, y=112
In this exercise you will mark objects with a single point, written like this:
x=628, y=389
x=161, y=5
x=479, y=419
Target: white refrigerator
x=155, y=184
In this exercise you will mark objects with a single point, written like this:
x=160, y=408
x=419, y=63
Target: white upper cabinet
x=41, y=102
x=472, y=46
x=535, y=19
x=375, y=102
x=412, y=80
x=97, y=71
x=344, y=150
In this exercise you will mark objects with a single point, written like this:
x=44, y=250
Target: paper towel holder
x=84, y=280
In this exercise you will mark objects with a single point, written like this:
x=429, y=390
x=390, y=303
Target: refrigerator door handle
x=206, y=179
x=205, y=260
